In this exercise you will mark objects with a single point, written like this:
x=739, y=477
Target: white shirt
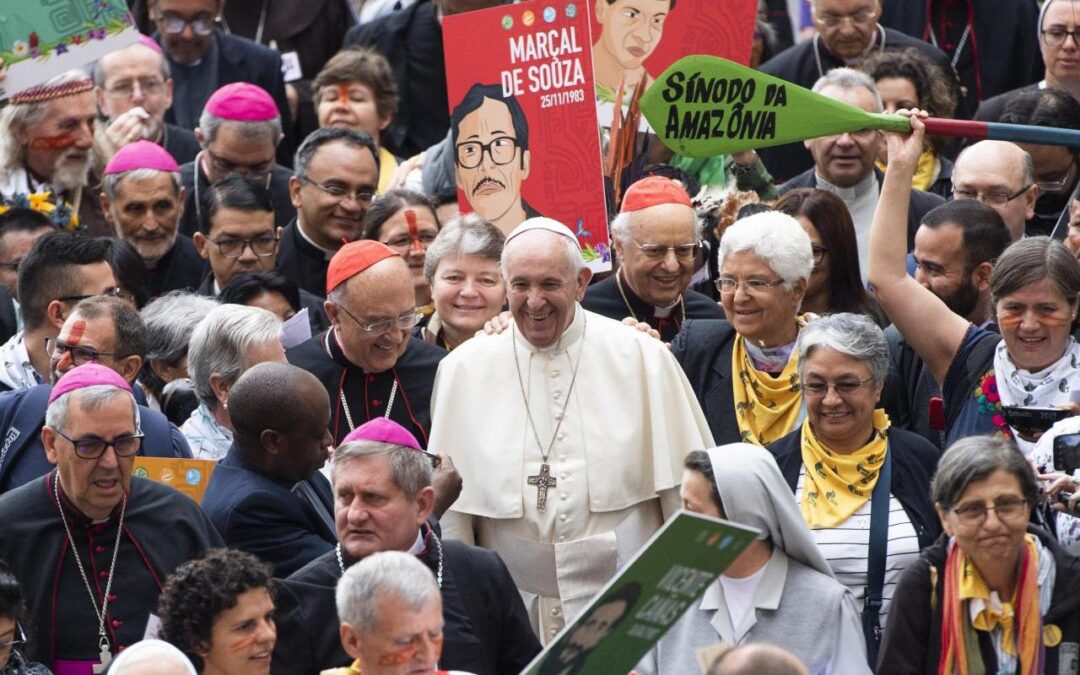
x=739, y=594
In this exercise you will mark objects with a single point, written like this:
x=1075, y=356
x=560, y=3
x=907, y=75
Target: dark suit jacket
x=181, y=269
x=7, y=314
x=257, y=513
x=279, y=192
x=301, y=261
x=919, y=203
x=313, y=303
x=991, y=109
x=180, y=143
x=798, y=65
x=241, y=60
x=703, y=349
x=411, y=40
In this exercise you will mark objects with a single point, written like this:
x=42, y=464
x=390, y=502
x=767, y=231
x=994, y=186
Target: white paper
x=290, y=67
x=296, y=330
x=153, y=627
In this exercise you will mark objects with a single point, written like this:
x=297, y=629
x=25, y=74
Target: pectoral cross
x=106, y=659
x=542, y=481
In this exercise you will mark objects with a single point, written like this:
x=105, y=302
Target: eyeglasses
x=55, y=349
x=863, y=17
x=658, y=252
x=234, y=248
x=92, y=448
x=255, y=170
x=842, y=388
x=172, y=24
x=341, y=193
x=991, y=198
x=13, y=265
x=403, y=322
x=751, y=286
x=1007, y=508
x=126, y=89
x=1059, y=184
x=1055, y=37
x=111, y=293
x=471, y=153
x=405, y=243
x=818, y=253
x=6, y=647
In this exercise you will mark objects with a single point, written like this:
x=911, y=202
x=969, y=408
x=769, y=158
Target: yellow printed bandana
x=765, y=407
x=926, y=171
x=836, y=485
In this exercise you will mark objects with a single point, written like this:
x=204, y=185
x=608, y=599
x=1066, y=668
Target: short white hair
x=89, y=399
x=16, y=118
x=387, y=573
x=620, y=226
x=847, y=79
x=777, y=238
x=222, y=340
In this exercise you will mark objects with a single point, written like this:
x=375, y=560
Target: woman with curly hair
x=907, y=79
x=218, y=610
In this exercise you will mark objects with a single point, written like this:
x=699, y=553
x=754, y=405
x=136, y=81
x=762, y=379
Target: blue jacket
x=262, y=515
x=22, y=455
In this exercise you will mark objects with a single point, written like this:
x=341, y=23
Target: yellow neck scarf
x=972, y=586
x=926, y=171
x=765, y=407
x=836, y=485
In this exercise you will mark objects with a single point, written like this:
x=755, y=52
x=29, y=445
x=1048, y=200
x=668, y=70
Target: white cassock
x=617, y=456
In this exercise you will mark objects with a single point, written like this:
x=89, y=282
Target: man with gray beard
x=46, y=136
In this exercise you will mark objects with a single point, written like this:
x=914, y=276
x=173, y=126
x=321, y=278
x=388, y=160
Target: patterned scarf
x=838, y=485
x=1020, y=619
x=766, y=407
x=1047, y=388
x=926, y=171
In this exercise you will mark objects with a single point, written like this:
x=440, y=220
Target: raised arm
x=931, y=328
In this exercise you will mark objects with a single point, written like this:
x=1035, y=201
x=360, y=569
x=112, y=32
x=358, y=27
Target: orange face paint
x=343, y=94
x=243, y=644
x=398, y=657
x=414, y=232
x=58, y=142
x=1014, y=319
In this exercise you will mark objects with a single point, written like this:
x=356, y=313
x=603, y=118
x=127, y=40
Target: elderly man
x=847, y=32
x=844, y=164
x=1058, y=23
x=170, y=320
x=1002, y=176
x=61, y=269
x=46, y=134
x=143, y=199
x=101, y=329
x=657, y=239
x=231, y=339
x=134, y=89
x=202, y=57
x=238, y=132
x=337, y=173
x=568, y=429
x=90, y=528
x=384, y=499
x=368, y=360
x=237, y=236
x=955, y=250
x=267, y=496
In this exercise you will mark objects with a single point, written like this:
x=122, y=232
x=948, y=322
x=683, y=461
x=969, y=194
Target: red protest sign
x=523, y=118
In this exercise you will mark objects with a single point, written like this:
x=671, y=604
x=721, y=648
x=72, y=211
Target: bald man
x=1002, y=176
x=757, y=659
x=267, y=496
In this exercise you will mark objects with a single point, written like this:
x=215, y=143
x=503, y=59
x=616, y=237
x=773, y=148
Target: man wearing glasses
x=657, y=241
x=1002, y=176
x=203, y=58
x=490, y=134
x=847, y=32
x=134, y=88
x=368, y=360
x=337, y=173
x=238, y=132
x=89, y=542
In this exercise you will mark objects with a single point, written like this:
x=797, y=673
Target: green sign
x=703, y=106
x=636, y=608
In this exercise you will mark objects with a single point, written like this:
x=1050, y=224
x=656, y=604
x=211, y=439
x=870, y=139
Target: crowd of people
x=435, y=436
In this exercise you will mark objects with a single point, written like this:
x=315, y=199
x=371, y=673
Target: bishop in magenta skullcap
x=141, y=155
x=88, y=375
x=385, y=431
x=242, y=102
x=653, y=191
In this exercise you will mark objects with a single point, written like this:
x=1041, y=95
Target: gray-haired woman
x=993, y=595
x=467, y=288
x=743, y=369
x=861, y=486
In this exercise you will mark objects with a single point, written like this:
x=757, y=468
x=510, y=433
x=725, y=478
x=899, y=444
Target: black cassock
x=303, y=262
x=162, y=529
x=604, y=298
x=368, y=394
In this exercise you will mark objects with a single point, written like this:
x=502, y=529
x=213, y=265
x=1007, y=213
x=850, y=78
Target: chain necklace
x=626, y=300
x=103, y=640
x=341, y=390
x=544, y=480
x=438, y=570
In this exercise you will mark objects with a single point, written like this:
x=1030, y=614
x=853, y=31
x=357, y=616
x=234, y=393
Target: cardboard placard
x=189, y=476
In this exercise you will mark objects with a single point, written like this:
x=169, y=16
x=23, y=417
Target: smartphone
x=1067, y=453
x=1040, y=419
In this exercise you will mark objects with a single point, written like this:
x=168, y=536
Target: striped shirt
x=847, y=549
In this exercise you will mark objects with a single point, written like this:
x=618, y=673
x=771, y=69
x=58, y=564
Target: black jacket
x=914, y=461
x=312, y=303
x=279, y=193
x=411, y=40
x=912, y=642
x=909, y=388
x=919, y=203
x=180, y=143
x=992, y=108
x=487, y=630
x=301, y=261
x=181, y=269
x=798, y=65
x=604, y=298
x=703, y=348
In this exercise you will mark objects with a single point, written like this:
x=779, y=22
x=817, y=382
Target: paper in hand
x=296, y=330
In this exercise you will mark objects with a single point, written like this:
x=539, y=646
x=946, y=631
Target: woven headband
x=40, y=94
